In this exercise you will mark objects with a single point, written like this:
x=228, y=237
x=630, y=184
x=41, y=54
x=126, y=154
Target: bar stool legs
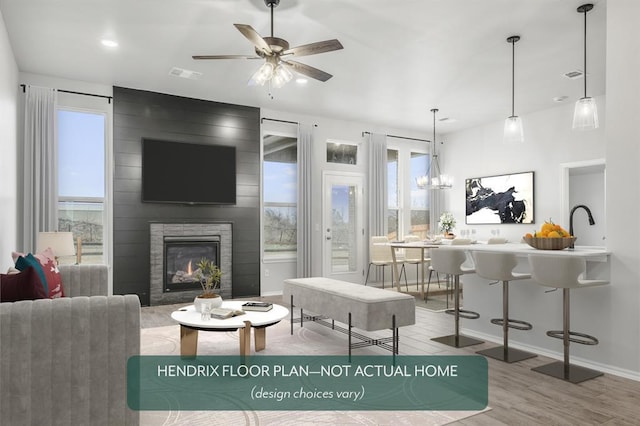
x=504, y=352
x=563, y=369
x=457, y=340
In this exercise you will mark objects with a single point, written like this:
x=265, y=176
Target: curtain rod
x=282, y=121
x=400, y=137
x=109, y=98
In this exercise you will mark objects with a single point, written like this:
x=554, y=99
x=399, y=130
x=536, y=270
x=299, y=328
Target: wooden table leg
x=260, y=337
x=188, y=341
x=245, y=339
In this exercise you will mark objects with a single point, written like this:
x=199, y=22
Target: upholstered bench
x=365, y=308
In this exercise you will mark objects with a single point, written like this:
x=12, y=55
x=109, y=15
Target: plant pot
x=215, y=302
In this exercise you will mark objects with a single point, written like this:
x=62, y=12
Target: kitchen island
x=538, y=305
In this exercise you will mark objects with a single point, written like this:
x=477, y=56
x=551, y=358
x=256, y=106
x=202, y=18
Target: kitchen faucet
x=573, y=210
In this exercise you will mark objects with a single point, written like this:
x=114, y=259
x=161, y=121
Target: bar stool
x=564, y=272
x=499, y=267
x=449, y=261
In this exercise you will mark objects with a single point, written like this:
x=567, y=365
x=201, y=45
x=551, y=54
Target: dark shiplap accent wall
x=139, y=114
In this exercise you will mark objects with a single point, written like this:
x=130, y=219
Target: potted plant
x=209, y=275
x=447, y=223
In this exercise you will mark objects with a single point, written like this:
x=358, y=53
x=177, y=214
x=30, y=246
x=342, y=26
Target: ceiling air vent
x=180, y=72
x=573, y=74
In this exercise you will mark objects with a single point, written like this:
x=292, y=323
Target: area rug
x=312, y=340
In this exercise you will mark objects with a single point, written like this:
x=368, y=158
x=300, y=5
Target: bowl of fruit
x=550, y=237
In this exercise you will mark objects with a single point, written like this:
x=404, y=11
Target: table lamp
x=61, y=243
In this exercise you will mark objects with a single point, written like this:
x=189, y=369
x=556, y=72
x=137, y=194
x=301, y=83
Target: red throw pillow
x=54, y=279
x=23, y=286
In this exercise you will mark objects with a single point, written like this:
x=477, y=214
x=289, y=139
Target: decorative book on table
x=257, y=306
x=223, y=313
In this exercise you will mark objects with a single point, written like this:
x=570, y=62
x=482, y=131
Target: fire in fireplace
x=181, y=256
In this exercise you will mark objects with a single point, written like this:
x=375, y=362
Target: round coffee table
x=191, y=322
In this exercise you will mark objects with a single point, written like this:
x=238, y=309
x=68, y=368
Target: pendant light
x=513, y=132
x=585, y=115
x=434, y=178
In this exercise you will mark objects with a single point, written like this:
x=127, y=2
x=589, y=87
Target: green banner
x=307, y=383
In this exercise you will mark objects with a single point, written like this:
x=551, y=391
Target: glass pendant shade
x=264, y=74
x=513, y=132
x=585, y=115
x=281, y=76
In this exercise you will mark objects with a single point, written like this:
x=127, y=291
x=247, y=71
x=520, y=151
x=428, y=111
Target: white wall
x=8, y=148
x=620, y=311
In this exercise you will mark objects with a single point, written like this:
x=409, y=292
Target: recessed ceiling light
x=109, y=43
x=447, y=120
x=560, y=98
x=301, y=80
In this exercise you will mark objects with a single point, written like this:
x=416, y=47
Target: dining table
x=395, y=246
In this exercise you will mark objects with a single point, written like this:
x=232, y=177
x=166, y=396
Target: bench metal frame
x=364, y=340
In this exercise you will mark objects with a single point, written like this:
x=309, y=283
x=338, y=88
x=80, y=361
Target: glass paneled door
x=343, y=227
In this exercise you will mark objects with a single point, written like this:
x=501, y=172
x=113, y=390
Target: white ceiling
x=400, y=58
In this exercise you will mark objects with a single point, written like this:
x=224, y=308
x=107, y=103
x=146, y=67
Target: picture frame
x=500, y=199
x=342, y=153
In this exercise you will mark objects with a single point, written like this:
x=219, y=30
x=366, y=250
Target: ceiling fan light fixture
x=585, y=114
x=264, y=74
x=281, y=76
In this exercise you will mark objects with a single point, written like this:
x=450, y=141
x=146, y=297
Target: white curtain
x=305, y=196
x=377, y=186
x=40, y=190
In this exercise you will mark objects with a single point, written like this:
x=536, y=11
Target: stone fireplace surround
x=158, y=231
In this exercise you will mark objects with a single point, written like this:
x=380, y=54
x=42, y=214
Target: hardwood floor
x=517, y=395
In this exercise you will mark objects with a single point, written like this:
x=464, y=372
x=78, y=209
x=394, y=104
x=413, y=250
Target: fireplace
x=181, y=256
x=174, y=245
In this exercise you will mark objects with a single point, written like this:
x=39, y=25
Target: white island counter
x=535, y=304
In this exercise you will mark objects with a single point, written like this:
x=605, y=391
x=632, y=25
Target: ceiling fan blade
x=255, y=38
x=314, y=48
x=307, y=70
x=225, y=57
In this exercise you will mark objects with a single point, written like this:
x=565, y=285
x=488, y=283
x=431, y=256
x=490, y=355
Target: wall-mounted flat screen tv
x=188, y=173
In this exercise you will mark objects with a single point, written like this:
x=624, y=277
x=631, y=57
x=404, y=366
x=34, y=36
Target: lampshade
x=281, y=76
x=585, y=114
x=61, y=243
x=513, y=132
x=264, y=74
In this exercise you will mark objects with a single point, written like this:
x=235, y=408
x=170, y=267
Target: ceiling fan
x=275, y=51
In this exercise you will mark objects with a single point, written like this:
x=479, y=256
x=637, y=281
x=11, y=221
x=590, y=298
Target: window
x=81, y=181
x=280, y=183
x=408, y=206
x=392, y=188
x=419, y=224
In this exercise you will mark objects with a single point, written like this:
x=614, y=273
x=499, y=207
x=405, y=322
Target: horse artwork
x=500, y=199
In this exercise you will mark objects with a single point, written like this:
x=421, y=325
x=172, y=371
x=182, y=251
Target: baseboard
x=621, y=372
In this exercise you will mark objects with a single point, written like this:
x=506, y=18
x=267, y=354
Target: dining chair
x=380, y=255
x=414, y=256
